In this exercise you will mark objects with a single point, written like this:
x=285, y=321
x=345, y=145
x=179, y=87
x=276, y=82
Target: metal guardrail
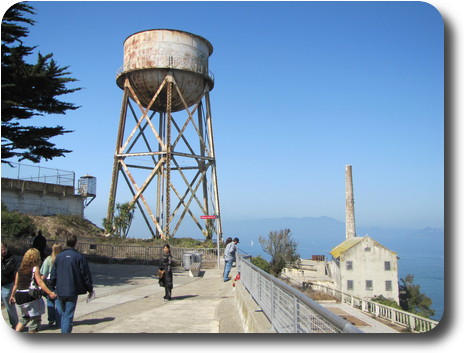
x=288, y=310
x=396, y=316
x=39, y=174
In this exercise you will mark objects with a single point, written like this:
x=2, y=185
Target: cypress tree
x=29, y=90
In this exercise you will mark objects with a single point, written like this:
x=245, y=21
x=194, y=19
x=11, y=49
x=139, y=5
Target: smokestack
x=350, y=224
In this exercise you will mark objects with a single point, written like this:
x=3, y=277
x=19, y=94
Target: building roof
x=347, y=244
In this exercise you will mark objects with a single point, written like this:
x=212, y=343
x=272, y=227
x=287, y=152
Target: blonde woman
x=31, y=309
x=53, y=314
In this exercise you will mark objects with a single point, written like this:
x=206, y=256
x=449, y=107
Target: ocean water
x=429, y=274
x=428, y=271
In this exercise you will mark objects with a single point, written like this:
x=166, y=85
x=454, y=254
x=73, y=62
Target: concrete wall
x=41, y=199
x=253, y=320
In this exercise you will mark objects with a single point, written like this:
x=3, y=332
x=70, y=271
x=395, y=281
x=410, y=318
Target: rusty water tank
x=150, y=55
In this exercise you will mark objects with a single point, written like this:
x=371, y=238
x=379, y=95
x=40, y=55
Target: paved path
x=359, y=319
x=129, y=300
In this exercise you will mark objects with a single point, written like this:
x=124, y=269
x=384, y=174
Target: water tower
x=164, y=146
x=87, y=188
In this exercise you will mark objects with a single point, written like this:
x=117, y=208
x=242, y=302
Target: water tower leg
x=202, y=168
x=116, y=166
x=160, y=179
x=217, y=207
x=168, y=160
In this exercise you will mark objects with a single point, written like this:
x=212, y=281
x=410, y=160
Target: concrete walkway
x=129, y=300
x=359, y=319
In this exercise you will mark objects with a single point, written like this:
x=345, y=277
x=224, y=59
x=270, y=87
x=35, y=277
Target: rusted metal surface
x=150, y=55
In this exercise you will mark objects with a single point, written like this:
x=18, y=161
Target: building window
x=367, y=248
x=349, y=265
x=388, y=286
x=387, y=265
x=369, y=285
x=349, y=284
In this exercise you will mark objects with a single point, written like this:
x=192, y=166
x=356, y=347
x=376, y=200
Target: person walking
x=40, y=243
x=46, y=269
x=31, y=308
x=166, y=269
x=71, y=277
x=230, y=257
x=9, y=266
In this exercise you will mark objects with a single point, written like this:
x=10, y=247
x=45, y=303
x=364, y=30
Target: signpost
x=208, y=217
x=213, y=217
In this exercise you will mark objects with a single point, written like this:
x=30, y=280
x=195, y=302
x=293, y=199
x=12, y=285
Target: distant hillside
x=318, y=235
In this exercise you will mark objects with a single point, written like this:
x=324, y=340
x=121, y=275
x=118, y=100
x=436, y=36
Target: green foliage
x=261, y=263
x=107, y=225
x=122, y=221
x=412, y=300
x=15, y=224
x=282, y=250
x=28, y=91
x=183, y=242
x=384, y=301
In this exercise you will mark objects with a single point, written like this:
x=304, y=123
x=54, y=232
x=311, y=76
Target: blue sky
x=301, y=90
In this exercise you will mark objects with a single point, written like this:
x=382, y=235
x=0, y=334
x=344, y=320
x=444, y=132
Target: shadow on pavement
x=115, y=275
x=92, y=321
x=182, y=297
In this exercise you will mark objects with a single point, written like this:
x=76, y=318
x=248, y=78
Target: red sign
x=208, y=217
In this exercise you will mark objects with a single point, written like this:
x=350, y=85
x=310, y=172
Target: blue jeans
x=227, y=269
x=53, y=313
x=65, y=309
x=10, y=308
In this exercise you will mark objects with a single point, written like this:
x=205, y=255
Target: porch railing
x=411, y=321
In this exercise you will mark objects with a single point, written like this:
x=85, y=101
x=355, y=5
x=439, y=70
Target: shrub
x=15, y=224
x=258, y=261
x=384, y=301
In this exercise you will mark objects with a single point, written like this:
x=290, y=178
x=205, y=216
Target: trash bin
x=197, y=257
x=187, y=260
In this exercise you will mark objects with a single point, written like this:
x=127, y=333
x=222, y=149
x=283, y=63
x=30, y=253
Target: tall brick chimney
x=349, y=210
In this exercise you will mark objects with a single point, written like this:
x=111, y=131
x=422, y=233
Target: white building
x=364, y=268
x=361, y=266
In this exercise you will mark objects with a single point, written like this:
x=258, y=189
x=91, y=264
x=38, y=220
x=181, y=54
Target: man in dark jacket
x=71, y=276
x=40, y=243
x=8, y=277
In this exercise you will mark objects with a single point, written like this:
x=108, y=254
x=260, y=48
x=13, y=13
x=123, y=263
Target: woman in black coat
x=167, y=272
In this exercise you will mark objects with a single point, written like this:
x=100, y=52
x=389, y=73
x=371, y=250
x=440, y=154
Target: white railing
x=287, y=309
x=411, y=321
